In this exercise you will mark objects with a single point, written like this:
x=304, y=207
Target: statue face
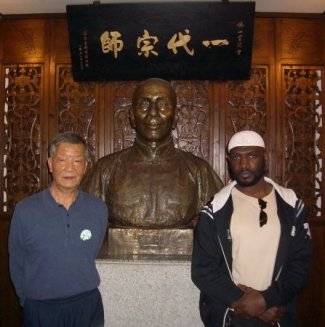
x=153, y=115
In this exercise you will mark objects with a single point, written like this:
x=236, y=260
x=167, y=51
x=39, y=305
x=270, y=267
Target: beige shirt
x=254, y=248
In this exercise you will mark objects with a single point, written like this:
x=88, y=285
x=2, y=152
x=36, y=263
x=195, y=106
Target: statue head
x=153, y=113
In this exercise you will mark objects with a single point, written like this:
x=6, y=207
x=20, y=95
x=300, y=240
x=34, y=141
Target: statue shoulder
x=97, y=177
x=194, y=160
x=206, y=171
x=111, y=159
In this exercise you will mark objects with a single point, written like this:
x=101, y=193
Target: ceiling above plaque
x=8, y=7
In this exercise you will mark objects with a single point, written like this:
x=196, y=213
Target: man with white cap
x=252, y=248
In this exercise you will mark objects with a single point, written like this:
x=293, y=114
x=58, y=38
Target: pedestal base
x=135, y=241
x=148, y=294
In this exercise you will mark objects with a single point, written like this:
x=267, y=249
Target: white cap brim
x=246, y=138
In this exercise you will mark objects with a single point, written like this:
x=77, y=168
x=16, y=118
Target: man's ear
x=131, y=118
x=228, y=159
x=266, y=168
x=50, y=164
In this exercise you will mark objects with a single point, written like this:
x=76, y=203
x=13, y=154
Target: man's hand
x=272, y=315
x=252, y=305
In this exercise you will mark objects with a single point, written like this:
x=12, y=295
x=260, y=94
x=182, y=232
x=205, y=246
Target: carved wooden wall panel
x=22, y=117
x=263, y=42
x=192, y=131
x=123, y=133
x=299, y=40
x=76, y=107
x=303, y=132
x=60, y=41
x=25, y=38
x=246, y=103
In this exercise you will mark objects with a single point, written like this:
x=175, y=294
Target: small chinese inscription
x=240, y=38
x=83, y=51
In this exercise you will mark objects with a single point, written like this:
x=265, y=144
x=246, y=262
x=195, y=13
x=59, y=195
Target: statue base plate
x=123, y=242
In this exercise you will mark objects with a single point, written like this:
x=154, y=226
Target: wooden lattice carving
x=246, y=104
x=303, y=154
x=192, y=131
x=22, y=128
x=77, y=107
x=123, y=133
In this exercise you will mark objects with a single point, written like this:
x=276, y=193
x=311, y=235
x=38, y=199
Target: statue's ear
x=131, y=117
x=175, y=120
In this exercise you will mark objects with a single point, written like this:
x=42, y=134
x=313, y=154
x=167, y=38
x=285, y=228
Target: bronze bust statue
x=153, y=190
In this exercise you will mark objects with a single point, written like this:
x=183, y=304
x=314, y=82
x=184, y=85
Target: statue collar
x=161, y=152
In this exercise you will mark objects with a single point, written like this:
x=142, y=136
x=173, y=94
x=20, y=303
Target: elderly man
x=152, y=185
x=55, y=236
x=252, y=249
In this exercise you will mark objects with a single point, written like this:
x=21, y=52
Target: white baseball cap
x=245, y=138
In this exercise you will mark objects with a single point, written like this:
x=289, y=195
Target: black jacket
x=212, y=257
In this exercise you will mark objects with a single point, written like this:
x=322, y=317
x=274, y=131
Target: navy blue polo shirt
x=52, y=250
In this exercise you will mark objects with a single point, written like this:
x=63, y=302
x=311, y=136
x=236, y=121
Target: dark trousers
x=82, y=310
x=236, y=321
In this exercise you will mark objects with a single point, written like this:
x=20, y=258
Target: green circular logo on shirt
x=85, y=235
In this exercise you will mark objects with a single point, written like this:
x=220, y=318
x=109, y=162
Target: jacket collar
x=219, y=200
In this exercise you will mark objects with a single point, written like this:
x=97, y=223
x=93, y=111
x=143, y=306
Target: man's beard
x=257, y=175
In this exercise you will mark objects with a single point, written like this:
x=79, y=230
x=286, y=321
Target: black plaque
x=184, y=40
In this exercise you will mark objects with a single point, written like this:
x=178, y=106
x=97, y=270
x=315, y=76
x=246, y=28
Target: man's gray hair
x=68, y=137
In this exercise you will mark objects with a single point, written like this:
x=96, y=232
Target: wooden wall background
x=283, y=100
